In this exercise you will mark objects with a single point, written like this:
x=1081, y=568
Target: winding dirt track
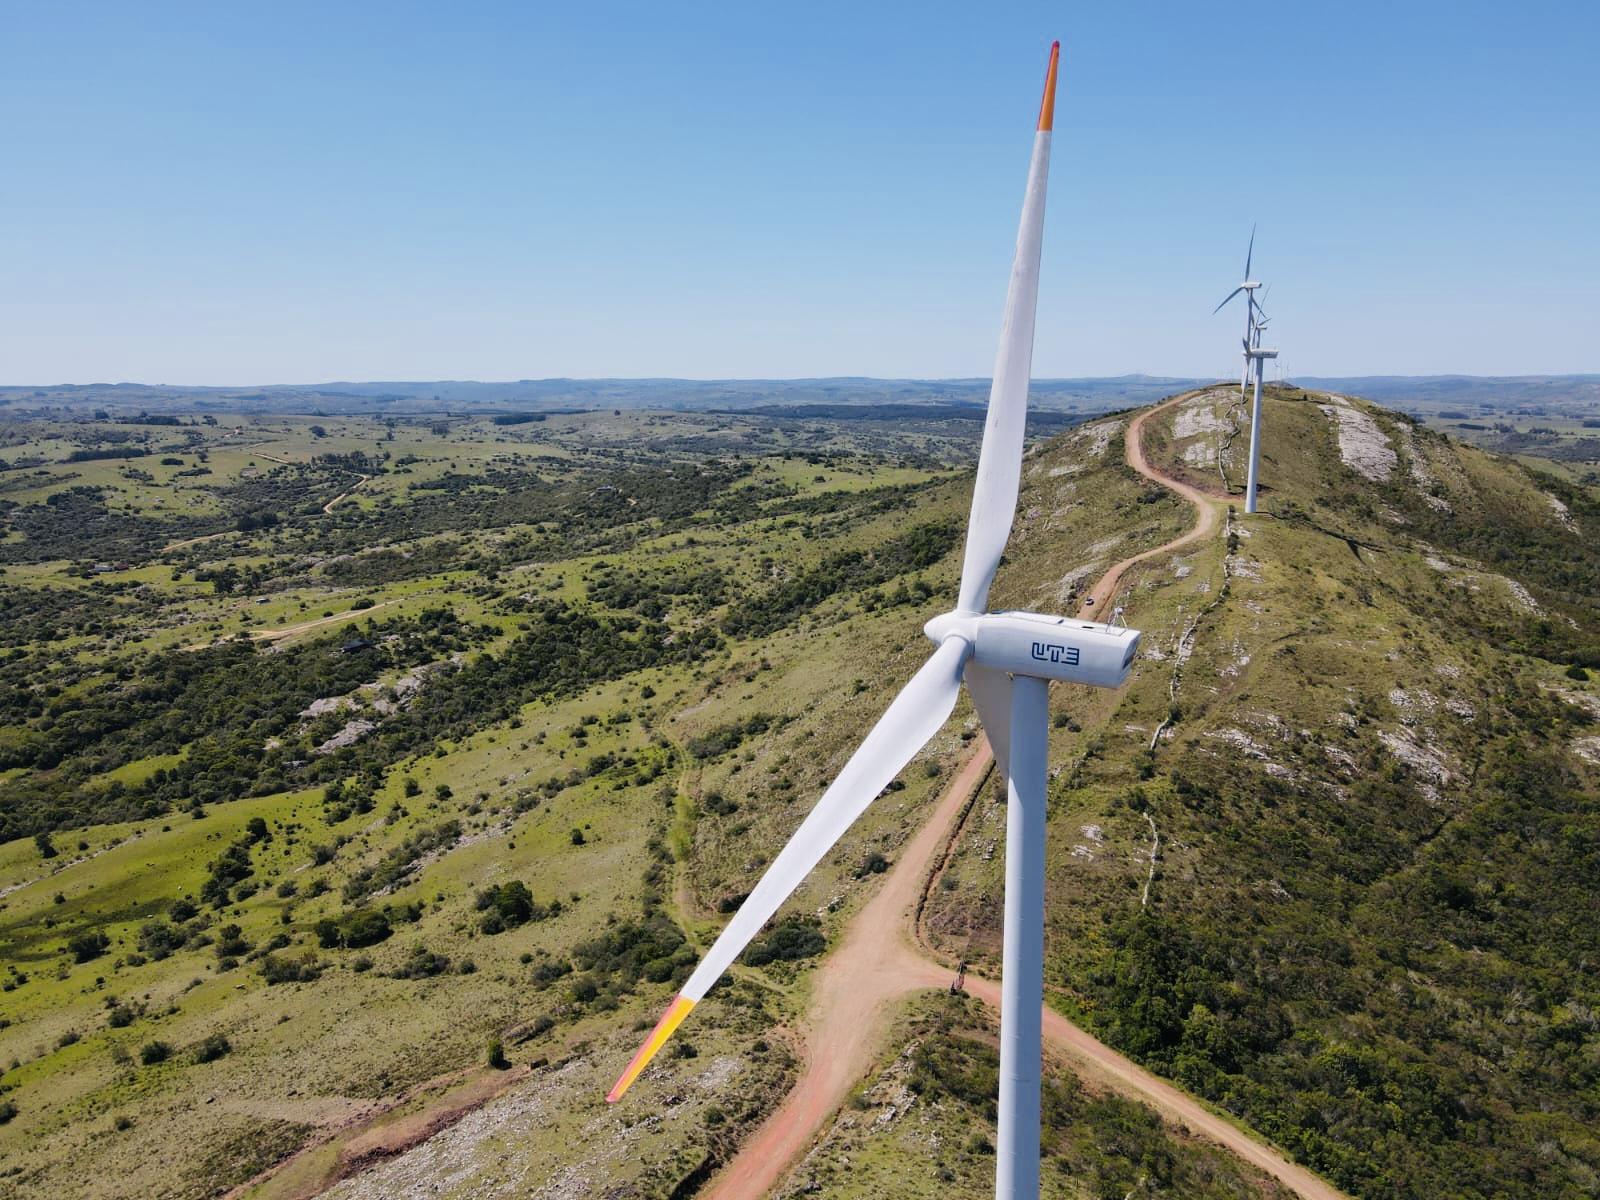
x=877, y=963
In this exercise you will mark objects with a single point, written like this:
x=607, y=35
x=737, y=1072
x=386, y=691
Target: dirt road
x=873, y=964
x=288, y=631
x=876, y=963
x=345, y=495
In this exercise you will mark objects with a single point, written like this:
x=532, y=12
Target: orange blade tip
x=670, y=1020
x=1047, y=107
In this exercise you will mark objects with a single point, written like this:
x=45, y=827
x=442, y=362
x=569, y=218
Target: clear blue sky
x=228, y=193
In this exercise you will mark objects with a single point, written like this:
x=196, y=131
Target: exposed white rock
x=1098, y=435
x=1560, y=509
x=1522, y=596
x=1240, y=740
x=348, y=736
x=1424, y=760
x=1196, y=417
x=323, y=705
x=1362, y=443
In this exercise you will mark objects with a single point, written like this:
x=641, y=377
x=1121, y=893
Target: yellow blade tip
x=670, y=1020
x=1047, y=106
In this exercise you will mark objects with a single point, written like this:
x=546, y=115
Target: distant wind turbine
x=1248, y=287
x=1007, y=660
x=1254, y=356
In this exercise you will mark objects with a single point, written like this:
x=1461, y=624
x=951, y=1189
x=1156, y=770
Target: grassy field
x=627, y=799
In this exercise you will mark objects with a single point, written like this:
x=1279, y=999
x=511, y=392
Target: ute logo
x=1050, y=652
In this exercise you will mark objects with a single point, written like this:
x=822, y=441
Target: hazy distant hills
x=545, y=394
x=1092, y=394
x=1564, y=392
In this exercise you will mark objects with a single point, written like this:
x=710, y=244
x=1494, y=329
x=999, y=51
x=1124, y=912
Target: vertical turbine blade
x=994, y=494
x=916, y=714
x=1249, y=254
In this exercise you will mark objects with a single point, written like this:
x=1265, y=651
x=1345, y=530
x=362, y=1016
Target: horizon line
x=773, y=379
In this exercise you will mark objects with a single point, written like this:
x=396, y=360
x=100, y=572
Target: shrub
x=718, y=804
x=497, y=1055
x=230, y=942
x=158, y=939
x=88, y=946
x=355, y=929
x=875, y=864
x=152, y=1053
x=213, y=1048
x=789, y=940
x=421, y=963
x=8, y=1111
x=182, y=910
x=282, y=969
x=507, y=905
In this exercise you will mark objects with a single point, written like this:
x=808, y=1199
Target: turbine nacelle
x=1042, y=646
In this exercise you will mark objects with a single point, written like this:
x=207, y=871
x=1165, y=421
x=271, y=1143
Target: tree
x=88, y=946
x=47, y=848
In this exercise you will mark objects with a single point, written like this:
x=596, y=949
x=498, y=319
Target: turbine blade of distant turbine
x=922, y=706
x=991, y=696
x=1225, y=300
x=994, y=493
x=1250, y=253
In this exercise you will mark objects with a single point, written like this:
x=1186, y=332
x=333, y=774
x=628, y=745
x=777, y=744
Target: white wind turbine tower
x=1007, y=660
x=1254, y=357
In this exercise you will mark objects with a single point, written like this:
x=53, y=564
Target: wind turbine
x=1248, y=287
x=1254, y=357
x=1007, y=660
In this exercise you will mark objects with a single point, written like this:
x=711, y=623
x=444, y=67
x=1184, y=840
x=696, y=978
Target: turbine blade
x=994, y=493
x=1251, y=252
x=991, y=696
x=1229, y=296
x=916, y=714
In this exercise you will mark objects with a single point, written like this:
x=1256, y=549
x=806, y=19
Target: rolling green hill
x=1363, y=741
